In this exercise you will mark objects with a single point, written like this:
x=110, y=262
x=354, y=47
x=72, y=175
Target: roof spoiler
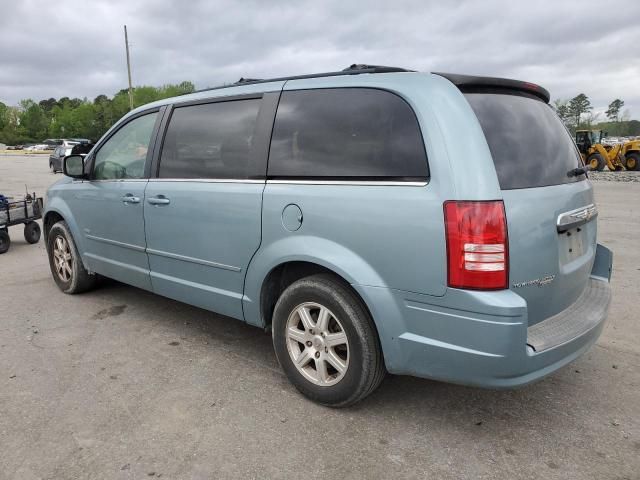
x=468, y=83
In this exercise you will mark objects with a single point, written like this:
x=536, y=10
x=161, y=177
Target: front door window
x=124, y=154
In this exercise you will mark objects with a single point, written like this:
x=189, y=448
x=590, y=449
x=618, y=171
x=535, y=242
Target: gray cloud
x=75, y=48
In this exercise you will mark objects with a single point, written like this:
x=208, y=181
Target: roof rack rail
x=248, y=80
x=354, y=69
x=361, y=67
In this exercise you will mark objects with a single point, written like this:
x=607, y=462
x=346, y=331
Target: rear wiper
x=578, y=171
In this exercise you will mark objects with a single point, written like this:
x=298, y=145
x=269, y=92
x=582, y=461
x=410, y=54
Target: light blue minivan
x=374, y=219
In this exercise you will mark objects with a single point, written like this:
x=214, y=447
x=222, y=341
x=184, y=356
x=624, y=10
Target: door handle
x=128, y=198
x=159, y=200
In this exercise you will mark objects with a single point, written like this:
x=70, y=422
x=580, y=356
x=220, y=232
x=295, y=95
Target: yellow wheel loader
x=596, y=155
x=631, y=152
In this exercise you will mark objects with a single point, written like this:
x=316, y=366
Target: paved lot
x=119, y=383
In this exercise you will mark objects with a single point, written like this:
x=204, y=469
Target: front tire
x=65, y=263
x=326, y=341
x=596, y=162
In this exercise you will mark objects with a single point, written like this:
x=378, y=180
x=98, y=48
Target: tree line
x=32, y=122
x=577, y=113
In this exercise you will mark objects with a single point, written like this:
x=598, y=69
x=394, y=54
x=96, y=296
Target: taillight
x=477, y=245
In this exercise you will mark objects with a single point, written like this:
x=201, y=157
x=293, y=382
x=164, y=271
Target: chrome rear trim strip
x=206, y=180
x=371, y=183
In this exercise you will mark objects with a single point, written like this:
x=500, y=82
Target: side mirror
x=73, y=166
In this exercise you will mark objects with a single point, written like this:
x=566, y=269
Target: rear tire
x=632, y=161
x=52, y=168
x=339, y=360
x=65, y=262
x=5, y=241
x=596, y=162
x=32, y=232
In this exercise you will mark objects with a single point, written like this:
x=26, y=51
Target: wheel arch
x=50, y=218
x=288, y=272
x=283, y=275
x=275, y=267
x=57, y=211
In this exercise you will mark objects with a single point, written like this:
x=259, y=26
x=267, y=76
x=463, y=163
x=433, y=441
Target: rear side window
x=529, y=144
x=346, y=133
x=210, y=141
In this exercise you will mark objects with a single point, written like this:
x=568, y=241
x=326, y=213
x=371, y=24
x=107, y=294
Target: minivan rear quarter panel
x=341, y=222
x=414, y=229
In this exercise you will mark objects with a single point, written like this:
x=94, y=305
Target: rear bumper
x=482, y=338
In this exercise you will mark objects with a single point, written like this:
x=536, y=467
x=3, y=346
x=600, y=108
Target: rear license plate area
x=572, y=244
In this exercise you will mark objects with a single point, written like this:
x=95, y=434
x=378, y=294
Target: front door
x=202, y=213
x=109, y=207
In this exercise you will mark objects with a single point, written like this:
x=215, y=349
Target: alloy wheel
x=62, y=259
x=317, y=344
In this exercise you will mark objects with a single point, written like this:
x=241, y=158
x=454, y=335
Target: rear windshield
x=529, y=144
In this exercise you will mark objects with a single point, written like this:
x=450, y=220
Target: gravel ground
x=607, y=176
x=120, y=383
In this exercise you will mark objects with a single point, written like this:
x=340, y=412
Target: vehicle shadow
x=418, y=401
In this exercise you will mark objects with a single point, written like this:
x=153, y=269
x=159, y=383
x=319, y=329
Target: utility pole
x=126, y=43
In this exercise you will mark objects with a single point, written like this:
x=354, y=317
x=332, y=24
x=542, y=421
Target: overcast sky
x=75, y=48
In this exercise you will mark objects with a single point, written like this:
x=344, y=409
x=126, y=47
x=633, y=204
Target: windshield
x=529, y=144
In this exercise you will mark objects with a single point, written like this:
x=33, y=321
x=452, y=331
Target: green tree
x=186, y=87
x=578, y=106
x=613, y=112
x=562, y=109
x=63, y=101
x=4, y=120
x=100, y=99
x=145, y=94
x=47, y=105
x=33, y=120
x=104, y=117
x=11, y=134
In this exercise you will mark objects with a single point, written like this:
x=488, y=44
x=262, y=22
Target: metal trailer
x=26, y=212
